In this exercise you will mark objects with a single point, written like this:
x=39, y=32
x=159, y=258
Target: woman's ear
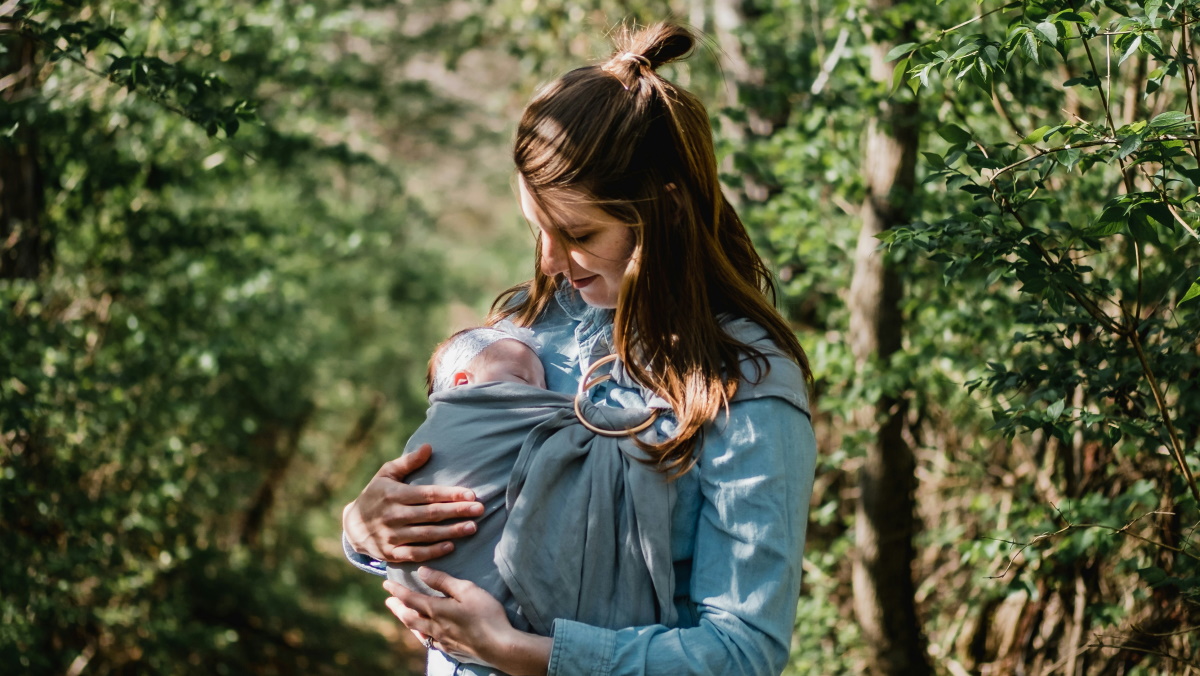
x=462, y=378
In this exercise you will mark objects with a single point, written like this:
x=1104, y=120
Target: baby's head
x=483, y=355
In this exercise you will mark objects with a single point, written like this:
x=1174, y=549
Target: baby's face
x=509, y=361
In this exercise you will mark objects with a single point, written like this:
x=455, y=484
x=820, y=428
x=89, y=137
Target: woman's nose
x=554, y=258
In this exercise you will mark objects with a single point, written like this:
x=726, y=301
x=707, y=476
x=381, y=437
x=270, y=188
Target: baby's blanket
x=587, y=533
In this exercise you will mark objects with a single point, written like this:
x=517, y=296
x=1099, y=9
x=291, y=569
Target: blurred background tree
x=230, y=232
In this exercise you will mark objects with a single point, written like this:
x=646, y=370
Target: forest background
x=230, y=233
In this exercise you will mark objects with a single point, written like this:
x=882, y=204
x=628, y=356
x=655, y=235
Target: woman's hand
x=468, y=622
x=393, y=521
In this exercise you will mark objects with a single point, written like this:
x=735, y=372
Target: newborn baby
x=486, y=355
x=572, y=516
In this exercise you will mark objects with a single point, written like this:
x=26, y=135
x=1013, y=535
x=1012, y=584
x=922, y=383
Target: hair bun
x=653, y=45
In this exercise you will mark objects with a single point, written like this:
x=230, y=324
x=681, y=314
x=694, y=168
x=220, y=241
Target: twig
x=1088, y=304
x=1148, y=651
x=1106, y=141
x=980, y=17
x=1189, y=85
x=835, y=55
x=1166, y=634
x=1162, y=193
x=1176, y=445
x=1123, y=530
x=1096, y=74
x=1112, y=127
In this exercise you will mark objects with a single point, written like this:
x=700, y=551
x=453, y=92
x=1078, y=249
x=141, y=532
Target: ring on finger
x=429, y=642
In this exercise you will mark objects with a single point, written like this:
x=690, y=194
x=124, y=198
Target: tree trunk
x=729, y=18
x=884, y=524
x=24, y=248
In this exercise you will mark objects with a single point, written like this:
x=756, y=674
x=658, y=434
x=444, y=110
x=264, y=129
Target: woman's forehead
x=563, y=208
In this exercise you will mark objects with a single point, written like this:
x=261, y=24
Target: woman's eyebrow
x=575, y=227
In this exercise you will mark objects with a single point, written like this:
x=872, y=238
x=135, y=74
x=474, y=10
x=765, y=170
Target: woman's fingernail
x=469, y=527
x=423, y=572
x=447, y=547
x=468, y=496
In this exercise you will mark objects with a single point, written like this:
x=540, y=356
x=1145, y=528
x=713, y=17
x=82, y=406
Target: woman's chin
x=598, y=300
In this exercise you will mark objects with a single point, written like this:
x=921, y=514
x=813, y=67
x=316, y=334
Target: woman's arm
x=756, y=471
x=393, y=521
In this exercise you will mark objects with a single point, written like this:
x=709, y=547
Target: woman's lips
x=583, y=281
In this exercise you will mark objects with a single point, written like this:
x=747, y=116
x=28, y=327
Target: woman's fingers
x=442, y=511
x=410, y=618
x=420, y=553
x=420, y=605
x=395, y=521
x=450, y=586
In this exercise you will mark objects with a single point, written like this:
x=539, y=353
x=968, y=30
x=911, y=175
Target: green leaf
x=991, y=55
x=1192, y=175
x=1085, y=81
x=1170, y=118
x=899, y=50
x=1129, y=145
x=1048, y=31
x=954, y=134
x=1133, y=47
x=1030, y=46
x=1056, y=409
x=1151, y=10
x=934, y=160
x=1151, y=44
x=1110, y=222
x=969, y=48
x=1068, y=16
x=1037, y=135
x=1191, y=293
x=898, y=74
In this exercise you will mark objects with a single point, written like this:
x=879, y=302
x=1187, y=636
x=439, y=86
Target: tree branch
x=1096, y=643
x=1123, y=530
x=1176, y=445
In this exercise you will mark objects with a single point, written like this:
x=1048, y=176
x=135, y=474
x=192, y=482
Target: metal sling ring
x=585, y=385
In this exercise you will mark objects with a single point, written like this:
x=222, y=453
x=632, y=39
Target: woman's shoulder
x=767, y=371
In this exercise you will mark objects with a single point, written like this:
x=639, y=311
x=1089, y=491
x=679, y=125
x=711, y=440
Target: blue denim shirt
x=737, y=529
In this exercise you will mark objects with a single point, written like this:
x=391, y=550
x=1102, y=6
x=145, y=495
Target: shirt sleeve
x=756, y=474
x=362, y=561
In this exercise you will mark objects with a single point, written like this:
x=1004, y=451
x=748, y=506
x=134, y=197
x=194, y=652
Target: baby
x=572, y=517
x=506, y=353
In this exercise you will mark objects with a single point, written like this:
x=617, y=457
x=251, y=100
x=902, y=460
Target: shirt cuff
x=581, y=649
x=362, y=561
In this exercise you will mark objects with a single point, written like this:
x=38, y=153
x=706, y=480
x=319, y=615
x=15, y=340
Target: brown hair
x=641, y=148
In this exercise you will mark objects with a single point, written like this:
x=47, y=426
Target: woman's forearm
x=522, y=654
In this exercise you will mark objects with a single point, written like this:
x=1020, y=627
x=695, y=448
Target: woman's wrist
x=522, y=654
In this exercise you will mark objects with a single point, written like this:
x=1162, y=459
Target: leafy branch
x=1128, y=330
x=1123, y=530
x=172, y=87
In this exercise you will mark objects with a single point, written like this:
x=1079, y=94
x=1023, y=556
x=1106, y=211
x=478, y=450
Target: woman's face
x=592, y=248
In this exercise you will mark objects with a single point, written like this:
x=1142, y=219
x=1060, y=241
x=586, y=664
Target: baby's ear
x=461, y=378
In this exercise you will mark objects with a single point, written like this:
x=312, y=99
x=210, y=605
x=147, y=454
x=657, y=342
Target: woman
x=639, y=254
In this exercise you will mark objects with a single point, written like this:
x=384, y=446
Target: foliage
x=182, y=377
x=248, y=256
x=1050, y=333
